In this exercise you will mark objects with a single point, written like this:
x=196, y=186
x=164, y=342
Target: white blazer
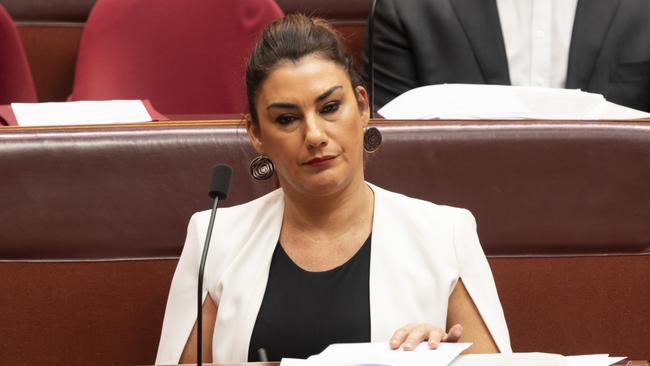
x=419, y=250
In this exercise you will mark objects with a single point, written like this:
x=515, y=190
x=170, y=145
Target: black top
x=303, y=312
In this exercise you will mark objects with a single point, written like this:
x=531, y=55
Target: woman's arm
x=464, y=324
x=209, y=318
x=462, y=311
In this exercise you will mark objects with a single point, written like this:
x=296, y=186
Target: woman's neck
x=332, y=214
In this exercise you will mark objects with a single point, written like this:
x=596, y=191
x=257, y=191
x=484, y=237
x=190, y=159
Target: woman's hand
x=410, y=335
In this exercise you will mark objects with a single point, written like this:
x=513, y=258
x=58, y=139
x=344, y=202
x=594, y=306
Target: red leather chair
x=186, y=56
x=16, y=83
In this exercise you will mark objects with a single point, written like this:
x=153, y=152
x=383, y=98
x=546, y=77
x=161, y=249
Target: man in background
x=599, y=46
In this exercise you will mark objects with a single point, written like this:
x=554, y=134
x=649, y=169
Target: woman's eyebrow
x=282, y=105
x=319, y=98
x=328, y=92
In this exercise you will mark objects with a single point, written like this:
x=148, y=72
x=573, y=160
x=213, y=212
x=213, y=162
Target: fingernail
x=407, y=346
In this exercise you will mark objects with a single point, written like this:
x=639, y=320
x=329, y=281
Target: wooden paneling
x=354, y=36
x=52, y=54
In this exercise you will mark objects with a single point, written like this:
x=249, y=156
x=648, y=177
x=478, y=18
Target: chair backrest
x=187, y=57
x=92, y=220
x=16, y=83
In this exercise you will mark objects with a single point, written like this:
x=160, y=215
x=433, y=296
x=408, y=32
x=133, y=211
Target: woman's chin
x=322, y=185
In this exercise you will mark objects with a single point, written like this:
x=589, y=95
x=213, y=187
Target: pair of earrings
x=262, y=168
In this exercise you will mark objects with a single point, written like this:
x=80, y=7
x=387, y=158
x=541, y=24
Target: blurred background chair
x=16, y=83
x=187, y=57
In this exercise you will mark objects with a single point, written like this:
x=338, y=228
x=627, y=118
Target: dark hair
x=289, y=39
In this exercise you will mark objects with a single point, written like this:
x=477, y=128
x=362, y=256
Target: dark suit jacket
x=423, y=42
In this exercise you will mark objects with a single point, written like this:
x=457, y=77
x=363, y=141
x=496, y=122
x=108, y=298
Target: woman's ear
x=254, y=134
x=364, y=106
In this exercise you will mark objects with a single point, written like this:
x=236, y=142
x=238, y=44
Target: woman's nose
x=315, y=134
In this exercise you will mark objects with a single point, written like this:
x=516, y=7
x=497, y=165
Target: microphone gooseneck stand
x=218, y=190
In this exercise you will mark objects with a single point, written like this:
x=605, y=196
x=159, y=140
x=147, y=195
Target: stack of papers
x=534, y=359
x=380, y=354
x=84, y=112
x=473, y=101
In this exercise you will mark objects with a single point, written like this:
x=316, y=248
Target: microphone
x=371, y=57
x=219, y=186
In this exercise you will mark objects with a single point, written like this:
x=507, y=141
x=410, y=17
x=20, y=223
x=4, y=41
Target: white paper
x=476, y=101
x=613, y=111
x=376, y=354
x=534, y=359
x=293, y=362
x=510, y=359
x=592, y=360
x=76, y=113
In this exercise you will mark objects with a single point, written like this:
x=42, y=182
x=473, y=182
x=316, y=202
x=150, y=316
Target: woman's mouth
x=320, y=161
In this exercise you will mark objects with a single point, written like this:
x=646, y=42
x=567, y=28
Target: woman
x=328, y=257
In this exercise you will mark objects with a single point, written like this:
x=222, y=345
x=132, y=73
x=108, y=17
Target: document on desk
x=592, y=360
x=473, y=101
x=534, y=359
x=82, y=112
x=380, y=354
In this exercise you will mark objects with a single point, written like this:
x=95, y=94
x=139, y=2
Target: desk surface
x=625, y=363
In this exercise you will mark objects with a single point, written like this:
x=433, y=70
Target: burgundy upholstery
x=92, y=220
x=185, y=56
x=77, y=10
x=535, y=188
x=16, y=84
x=51, y=30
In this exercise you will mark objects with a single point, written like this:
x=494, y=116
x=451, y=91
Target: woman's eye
x=285, y=119
x=330, y=107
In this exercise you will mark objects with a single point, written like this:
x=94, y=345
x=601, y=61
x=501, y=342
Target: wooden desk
x=624, y=363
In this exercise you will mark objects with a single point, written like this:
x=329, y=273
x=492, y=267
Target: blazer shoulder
x=239, y=212
x=421, y=208
x=233, y=225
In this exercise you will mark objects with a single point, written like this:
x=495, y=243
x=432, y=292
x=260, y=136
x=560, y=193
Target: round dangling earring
x=261, y=168
x=371, y=139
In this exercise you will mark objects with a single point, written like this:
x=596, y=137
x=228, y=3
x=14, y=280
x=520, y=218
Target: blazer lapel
x=592, y=21
x=383, y=308
x=480, y=21
x=244, y=282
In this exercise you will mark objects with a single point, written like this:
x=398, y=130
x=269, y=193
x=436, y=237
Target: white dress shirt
x=537, y=36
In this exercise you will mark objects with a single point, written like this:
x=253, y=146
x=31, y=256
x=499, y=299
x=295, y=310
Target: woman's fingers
x=416, y=335
x=400, y=336
x=435, y=337
x=410, y=335
x=454, y=333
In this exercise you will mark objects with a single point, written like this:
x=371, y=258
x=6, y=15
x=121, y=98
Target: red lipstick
x=320, y=161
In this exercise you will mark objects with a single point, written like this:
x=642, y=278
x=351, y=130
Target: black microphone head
x=220, y=184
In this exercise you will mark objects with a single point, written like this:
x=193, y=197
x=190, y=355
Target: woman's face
x=311, y=126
